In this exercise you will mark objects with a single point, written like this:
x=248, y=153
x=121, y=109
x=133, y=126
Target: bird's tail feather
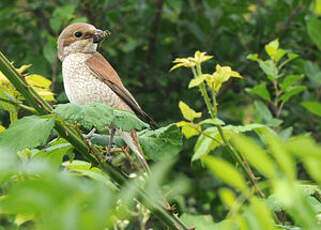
x=131, y=140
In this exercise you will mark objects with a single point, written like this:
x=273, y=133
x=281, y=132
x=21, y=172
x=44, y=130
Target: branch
x=69, y=133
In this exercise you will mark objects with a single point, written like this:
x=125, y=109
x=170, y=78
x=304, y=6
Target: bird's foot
x=90, y=134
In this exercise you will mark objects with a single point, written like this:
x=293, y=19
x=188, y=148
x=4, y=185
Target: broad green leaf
x=255, y=154
x=243, y=128
x=291, y=92
x=206, y=143
x=226, y=172
x=312, y=165
x=261, y=91
x=212, y=121
x=161, y=143
x=289, y=80
x=313, y=107
x=269, y=69
x=54, y=154
x=314, y=31
x=28, y=132
x=188, y=113
x=100, y=116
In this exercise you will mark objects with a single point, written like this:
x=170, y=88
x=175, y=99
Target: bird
x=88, y=77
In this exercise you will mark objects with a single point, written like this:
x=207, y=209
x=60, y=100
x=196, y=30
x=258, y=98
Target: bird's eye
x=78, y=34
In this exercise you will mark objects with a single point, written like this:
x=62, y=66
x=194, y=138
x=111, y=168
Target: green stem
x=67, y=132
x=239, y=158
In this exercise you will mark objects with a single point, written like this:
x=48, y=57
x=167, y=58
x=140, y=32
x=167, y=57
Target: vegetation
x=234, y=86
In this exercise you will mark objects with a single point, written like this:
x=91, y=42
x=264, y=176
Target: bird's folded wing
x=105, y=72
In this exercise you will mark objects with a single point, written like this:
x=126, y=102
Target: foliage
x=252, y=144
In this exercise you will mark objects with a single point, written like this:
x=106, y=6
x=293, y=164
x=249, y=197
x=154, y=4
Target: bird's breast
x=82, y=86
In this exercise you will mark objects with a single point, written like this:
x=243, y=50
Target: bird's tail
x=131, y=140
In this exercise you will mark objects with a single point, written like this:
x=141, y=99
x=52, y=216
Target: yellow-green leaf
x=182, y=62
x=189, y=129
x=263, y=214
x=255, y=154
x=2, y=128
x=227, y=197
x=188, y=113
x=226, y=172
x=198, y=80
x=38, y=81
x=201, y=57
x=221, y=75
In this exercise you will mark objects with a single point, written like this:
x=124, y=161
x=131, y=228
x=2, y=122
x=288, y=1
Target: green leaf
x=255, y=154
x=263, y=214
x=253, y=57
x=304, y=146
x=263, y=110
x=205, y=143
x=314, y=31
x=313, y=72
x=202, y=222
x=54, y=154
x=291, y=92
x=49, y=53
x=28, y=132
x=5, y=105
x=261, y=91
x=313, y=107
x=163, y=142
x=289, y=80
x=269, y=69
x=100, y=116
x=226, y=172
x=280, y=153
x=85, y=169
x=212, y=121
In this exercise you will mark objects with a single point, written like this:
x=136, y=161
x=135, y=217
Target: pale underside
x=82, y=86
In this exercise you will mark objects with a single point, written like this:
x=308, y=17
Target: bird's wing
x=106, y=73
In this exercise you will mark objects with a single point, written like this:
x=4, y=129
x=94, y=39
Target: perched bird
x=88, y=77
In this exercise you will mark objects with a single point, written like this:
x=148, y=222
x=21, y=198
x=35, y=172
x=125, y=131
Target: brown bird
x=88, y=77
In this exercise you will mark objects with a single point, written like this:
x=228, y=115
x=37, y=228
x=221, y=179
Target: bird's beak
x=100, y=35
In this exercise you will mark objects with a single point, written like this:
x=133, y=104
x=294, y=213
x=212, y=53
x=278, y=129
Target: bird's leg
x=90, y=134
x=111, y=137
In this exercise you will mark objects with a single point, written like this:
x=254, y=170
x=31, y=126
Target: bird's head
x=79, y=38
